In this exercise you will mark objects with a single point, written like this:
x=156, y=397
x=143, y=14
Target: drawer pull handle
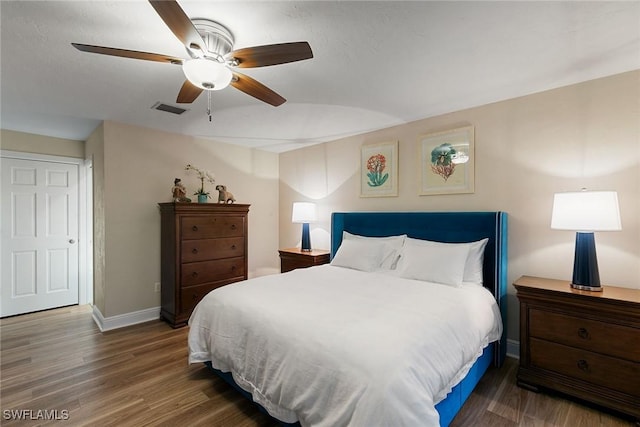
x=233, y=247
x=583, y=333
x=194, y=228
x=233, y=268
x=194, y=250
x=233, y=226
x=583, y=365
x=194, y=274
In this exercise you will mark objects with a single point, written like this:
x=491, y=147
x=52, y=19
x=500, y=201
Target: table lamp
x=304, y=213
x=586, y=212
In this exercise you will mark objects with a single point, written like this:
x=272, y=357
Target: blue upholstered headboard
x=451, y=227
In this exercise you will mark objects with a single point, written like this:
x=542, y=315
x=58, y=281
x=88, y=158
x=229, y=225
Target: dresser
x=203, y=247
x=584, y=344
x=293, y=258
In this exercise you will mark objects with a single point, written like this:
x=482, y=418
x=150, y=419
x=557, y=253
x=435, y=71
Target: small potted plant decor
x=202, y=176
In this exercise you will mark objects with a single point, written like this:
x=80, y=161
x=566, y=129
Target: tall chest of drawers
x=584, y=344
x=203, y=247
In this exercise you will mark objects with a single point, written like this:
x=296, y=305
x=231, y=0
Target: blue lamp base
x=586, y=276
x=306, y=238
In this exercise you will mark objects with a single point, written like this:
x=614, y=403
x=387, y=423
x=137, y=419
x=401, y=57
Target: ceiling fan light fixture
x=207, y=74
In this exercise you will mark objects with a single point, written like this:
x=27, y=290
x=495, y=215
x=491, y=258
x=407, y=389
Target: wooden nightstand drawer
x=598, y=336
x=202, y=227
x=207, y=249
x=594, y=368
x=288, y=264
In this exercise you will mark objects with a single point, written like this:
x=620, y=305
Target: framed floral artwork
x=447, y=162
x=379, y=170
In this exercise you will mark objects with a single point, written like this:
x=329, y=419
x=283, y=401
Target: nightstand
x=293, y=258
x=584, y=344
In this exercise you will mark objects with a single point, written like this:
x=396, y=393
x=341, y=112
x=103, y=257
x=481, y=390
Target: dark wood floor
x=59, y=361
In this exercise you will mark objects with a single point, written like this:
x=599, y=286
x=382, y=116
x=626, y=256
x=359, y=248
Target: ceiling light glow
x=207, y=74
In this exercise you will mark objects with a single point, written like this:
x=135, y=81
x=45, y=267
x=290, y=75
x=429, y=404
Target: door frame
x=85, y=216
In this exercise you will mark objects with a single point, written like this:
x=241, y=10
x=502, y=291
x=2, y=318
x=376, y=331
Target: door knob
x=72, y=241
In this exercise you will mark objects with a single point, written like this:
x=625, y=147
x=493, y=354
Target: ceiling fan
x=210, y=48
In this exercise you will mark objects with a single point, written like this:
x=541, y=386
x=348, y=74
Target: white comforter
x=330, y=346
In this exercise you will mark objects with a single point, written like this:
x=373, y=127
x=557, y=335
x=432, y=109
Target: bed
x=368, y=332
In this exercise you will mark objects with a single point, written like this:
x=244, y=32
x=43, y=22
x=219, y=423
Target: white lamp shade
x=304, y=212
x=207, y=73
x=586, y=211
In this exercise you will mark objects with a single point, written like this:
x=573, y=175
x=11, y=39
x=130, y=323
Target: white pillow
x=359, y=255
x=391, y=244
x=433, y=263
x=474, y=262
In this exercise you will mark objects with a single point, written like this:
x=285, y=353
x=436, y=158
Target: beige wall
x=133, y=170
x=94, y=151
x=30, y=143
x=585, y=135
x=139, y=168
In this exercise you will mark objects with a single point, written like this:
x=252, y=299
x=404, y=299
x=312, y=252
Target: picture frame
x=379, y=169
x=447, y=162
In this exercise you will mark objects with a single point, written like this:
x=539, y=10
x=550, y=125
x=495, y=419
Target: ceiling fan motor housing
x=218, y=39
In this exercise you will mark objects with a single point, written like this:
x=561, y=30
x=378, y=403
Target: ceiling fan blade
x=179, y=23
x=124, y=53
x=256, y=89
x=188, y=93
x=272, y=54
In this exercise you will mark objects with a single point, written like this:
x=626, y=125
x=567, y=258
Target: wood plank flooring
x=58, y=360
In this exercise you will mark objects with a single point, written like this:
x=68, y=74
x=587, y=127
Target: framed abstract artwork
x=379, y=170
x=447, y=162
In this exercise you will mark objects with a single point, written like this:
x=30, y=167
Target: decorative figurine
x=179, y=192
x=224, y=196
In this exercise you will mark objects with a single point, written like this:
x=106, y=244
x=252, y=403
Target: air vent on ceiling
x=168, y=108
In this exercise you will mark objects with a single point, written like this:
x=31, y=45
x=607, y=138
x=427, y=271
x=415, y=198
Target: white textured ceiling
x=375, y=65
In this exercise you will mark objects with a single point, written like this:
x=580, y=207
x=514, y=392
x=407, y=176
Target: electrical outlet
x=157, y=286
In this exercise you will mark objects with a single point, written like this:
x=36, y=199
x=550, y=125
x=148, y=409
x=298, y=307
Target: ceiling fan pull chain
x=209, y=104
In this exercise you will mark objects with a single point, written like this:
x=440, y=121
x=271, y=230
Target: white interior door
x=39, y=253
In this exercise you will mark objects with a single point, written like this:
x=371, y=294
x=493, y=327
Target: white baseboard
x=122, y=320
x=513, y=348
